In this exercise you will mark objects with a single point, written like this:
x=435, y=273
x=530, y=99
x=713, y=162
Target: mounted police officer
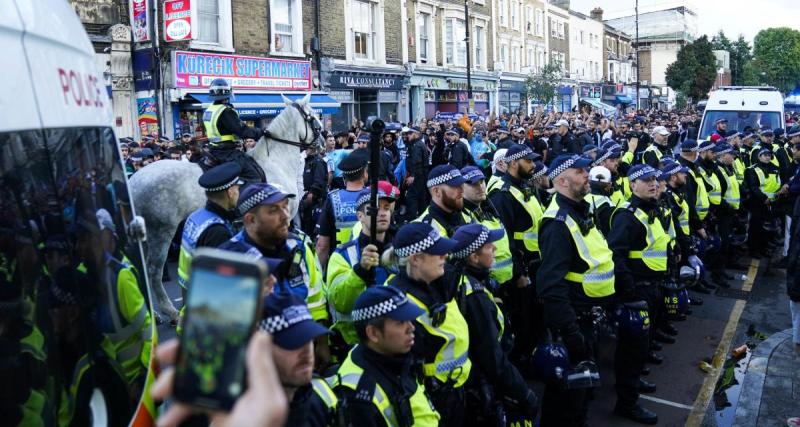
x=223, y=126
x=376, y=382
x=211, y=225
x=338, y=216
x=576, y=274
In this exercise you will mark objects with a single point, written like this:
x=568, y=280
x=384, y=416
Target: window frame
x=224, y=28
x=377, y=36
x=297, y=30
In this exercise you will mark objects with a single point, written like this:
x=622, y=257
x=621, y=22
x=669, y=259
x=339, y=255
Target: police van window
x=74, y=309
x=739, y=119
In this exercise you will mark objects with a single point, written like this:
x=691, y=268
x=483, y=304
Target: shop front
x=446, y=96
x=512, y=96
x=259, y=85
x=363, y=94
x=564, y=100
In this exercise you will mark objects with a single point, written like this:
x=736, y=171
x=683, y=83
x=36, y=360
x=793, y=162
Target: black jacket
x=561, y=298
x=216, y=234
x=628, y=234
x=458, y=154
x=515, y=219
x=419, y=160
x=485, y=351
x=793, y=267
x=565, y=144
x=690, y=192
x=315, y=177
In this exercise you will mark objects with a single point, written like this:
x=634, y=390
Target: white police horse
x=166, y=192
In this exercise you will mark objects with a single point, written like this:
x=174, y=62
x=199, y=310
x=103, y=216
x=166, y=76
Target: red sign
x=177, y=20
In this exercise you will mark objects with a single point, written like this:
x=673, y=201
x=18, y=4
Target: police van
x=76, y=327
x=754, y=106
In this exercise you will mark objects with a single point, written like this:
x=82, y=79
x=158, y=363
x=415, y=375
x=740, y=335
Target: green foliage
x=740, y=56
x=680, y=100
x=542, y=85
x=695, y=70
x=777, y=56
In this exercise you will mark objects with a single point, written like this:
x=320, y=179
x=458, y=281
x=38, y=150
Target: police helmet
x=550, y=362
x=219, y=89
x=633, y=320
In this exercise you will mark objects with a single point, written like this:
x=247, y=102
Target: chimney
x=597, y=14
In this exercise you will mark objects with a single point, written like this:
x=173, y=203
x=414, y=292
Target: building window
x=424, y=36
x=513, y=13
x=515, y=59
x=539, y=22
x=529, y=58
x=561, y=30
x=214, y=30
x=529, y=24
x=501, y=12
x=454, y=46
x=504, y=55
x=362, y=14
x=581, y=37
x=479, y=49
x=287, y=26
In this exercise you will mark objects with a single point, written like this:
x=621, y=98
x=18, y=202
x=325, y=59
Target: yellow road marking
x=710, y=383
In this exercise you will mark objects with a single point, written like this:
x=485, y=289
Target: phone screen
x=219, y=318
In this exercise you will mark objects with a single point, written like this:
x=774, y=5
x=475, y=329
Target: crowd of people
x=504, y=248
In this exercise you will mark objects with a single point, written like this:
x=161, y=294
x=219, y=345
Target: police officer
x=658, y=149
x=599, y=198
x=563, y=141
x=355, y=266
x=446, y=210
x=729, y=206
x=211, y=225
x=494, y=377
x=315, y=188
x=640, y=246
x=477, y=205
x=715, y=186
x=418, y=164
x=576, y=274
x=338, y=214
x=609, y=158
x=377, y=381
x=265, y=212
x=721, y=127
x=696, y=194
x=520, y=211
x=499, y=168
x=442, y=341
x=763, y=183
x=223, y=125
x=311, y=401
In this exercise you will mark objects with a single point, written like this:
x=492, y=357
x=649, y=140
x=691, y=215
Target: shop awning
x=270, y=104
x=602, y=106
x=623, y=99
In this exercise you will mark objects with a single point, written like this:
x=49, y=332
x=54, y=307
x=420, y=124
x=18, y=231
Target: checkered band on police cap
x=420, y=246
x=601, y=158
x=441, y=179
x=223, y=186
x=642, y=172
x=289, y=317
x=373, y=311
x=364, y=198
x=526, y=152
x=473, y=174
x=540, y=173
x=562, y=167
x=675, y=168
x=705, y=146
x=475, y=245
x=258, y=197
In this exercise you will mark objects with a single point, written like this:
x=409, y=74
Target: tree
x=777, y=56
x=694, y=72
x=542, y=85
x=740, y=55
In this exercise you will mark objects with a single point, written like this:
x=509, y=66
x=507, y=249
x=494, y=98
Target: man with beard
x=457, y=152
x=446, y=211
x=563, y=141
x=520, y=211
x=576, y=274
x=293, y=331
x=377, y=378
x=641, y=252
x=355, y=266
x=658, y=149
x=482, y=211
x=265, y=213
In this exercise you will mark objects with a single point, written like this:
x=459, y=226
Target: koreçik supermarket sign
x=197, y=70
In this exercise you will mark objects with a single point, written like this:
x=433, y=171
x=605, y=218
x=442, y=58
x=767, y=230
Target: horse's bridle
x=310, y=121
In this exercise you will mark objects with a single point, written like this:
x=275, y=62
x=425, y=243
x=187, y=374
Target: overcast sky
x=732, y=16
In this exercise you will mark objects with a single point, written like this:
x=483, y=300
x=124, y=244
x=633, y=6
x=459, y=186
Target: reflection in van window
x=738, y=120
x=75, y=320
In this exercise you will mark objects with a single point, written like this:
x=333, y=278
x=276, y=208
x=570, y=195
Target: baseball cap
x=567, y=161
x=260, y=194
x=287, y=318
x=469, y=238
x=600, y=174
x=472, y=174
x=445, y=174
x=384, y=301
x=642, y=172
x=419, y=237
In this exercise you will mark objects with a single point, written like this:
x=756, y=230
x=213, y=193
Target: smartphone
x=223, y=304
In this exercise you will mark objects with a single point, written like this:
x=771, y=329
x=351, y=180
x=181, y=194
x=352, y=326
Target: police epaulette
x=561, y=215
x=506, y=186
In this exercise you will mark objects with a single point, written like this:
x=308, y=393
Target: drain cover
x=733, y=293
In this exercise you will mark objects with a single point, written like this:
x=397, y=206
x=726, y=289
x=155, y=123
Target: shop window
x=287, y=27
x=214, y=31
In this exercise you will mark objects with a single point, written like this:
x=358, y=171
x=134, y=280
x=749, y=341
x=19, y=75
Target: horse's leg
x=157, y=248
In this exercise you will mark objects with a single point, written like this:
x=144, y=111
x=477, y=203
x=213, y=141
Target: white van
x=755, y=106
x=76, y=325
